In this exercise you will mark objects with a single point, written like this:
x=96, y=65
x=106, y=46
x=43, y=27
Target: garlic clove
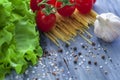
x=116, y=27
x=107, y=27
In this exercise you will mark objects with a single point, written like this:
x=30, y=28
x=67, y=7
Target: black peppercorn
x=60, y=50
x=83, y=46
x=75, y=48
x=75, y=62
x=89, y=62
x=95, y=63
x=103, y=57
x=79, y=53
x=66, y=45
x=93, y=44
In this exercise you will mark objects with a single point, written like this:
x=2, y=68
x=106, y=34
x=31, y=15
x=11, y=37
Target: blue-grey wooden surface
x=61, y=66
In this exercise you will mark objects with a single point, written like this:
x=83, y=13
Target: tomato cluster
x=65, y=8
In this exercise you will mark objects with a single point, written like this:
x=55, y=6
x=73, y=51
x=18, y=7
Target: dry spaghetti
x=67, y=28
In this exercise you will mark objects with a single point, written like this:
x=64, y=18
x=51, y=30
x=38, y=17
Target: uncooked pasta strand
x=85, y=38
x=67, y=28
x=51, y=38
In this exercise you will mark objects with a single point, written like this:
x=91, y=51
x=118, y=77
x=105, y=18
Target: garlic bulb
x=107, y=26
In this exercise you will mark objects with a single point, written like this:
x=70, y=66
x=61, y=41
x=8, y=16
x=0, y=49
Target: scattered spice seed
x=66, y=63
x=89, y=62
x=95, y=48
x=35, y=79
x=105, y=50
x=83, y=46
x=75, y=56
x=46, y=53
x=68, y=72
x=70, y=78
x=75, y=60
x=95, y=63
x=81, y=56
x=33, y=72
x=75, y=68
x=79, y=53
x=60, y=50
x=75, y=78
x=88, y=68
x=94, y=56
x=91, y=53
x=57, y=78
x=101, y=67
x=81, y=43
x=66, y=45
x=106, y=72
x=99, y=49
x=54, y=73
x=75, y=48
x=86, y=47
x=67, y=52
x=87, y=55
x=79, y=64
x=103, y=57
x=26, y=72
x=63, y=74
x=17, y=77
x=110, y=60
x=97, y=53
x=89, y=37
x=93, y=44
x=84, y=60
x=106, y=62
x=28, y=79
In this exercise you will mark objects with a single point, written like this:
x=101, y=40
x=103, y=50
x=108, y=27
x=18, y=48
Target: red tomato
x=45, y=22
x=84, y=6
x=52, y=2
x=66, y=10
x=34, y=5
x=94, y=1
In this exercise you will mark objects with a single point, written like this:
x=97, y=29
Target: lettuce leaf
x=19, y=39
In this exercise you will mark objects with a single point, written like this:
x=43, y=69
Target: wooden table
x=80, y=60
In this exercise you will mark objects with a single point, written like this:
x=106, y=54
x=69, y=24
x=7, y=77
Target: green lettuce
x=19, y=39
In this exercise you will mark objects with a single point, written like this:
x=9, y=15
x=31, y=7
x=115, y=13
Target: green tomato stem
x=48, y=8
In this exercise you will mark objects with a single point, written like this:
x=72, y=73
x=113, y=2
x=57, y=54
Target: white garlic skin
x=107, y=27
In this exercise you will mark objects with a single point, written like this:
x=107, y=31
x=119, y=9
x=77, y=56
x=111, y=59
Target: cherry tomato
x=67, y=10
x=52, y=2
x=45, y=22
x=34, y=5
x=94, y=1
x=84, y=6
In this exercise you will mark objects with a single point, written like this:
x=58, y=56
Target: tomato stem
x=48, y=9
x=65, y=2
x=43, y=2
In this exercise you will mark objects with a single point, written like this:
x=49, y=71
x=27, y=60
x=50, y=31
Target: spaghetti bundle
x=67, y=28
